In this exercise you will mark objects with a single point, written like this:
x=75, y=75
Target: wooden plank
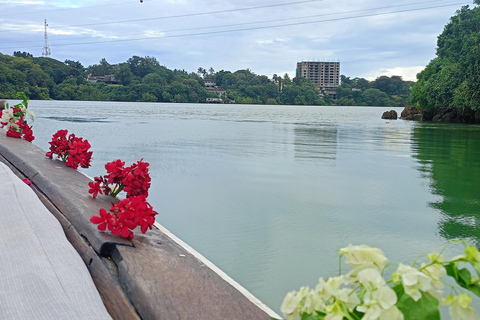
x=181, y=286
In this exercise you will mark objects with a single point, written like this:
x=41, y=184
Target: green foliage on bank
x=452, y=79
x=144, y=79
x=383, y=91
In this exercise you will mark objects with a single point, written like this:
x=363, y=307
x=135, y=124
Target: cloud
x=187, y=34
x=23, y=2
x=407, y=73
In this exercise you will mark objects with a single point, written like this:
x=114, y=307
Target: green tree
x=124, y=75
x=22, y=54
x=376, y=97
x=77, y=69
x=451, y=80
x=148, y=97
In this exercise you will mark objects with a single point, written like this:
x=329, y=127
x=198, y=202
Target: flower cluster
x=72, y=150
x=14, y=119
x=134, y=180
x=363, y=293
x=126, y=216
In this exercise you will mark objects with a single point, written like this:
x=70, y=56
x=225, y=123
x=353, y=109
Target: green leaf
x=317, y=316
x=425, y=308
x=463, y=278
x=475, y=288
x=22, y=96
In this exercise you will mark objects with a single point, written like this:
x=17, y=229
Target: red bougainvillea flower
x=104, y=220
x=134, y=180
x=11, y=132
x=115, y=171
x=27, y=181
x=137, y=180
x=95, y=188
x=125, y=216
x=27, y=132
x=72, y=150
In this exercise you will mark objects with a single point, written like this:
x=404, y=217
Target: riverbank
x=154, y=276
x=457, y=115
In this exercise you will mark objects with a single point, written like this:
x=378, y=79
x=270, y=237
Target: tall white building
x=325, y=75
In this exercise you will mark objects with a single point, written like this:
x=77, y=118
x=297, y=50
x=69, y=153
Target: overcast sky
x=370, y=38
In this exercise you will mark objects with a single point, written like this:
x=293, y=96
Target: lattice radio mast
x=46, y=49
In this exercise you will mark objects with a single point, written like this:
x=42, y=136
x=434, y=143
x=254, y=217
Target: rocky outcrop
x=392, y=115
x=451, y=115
x=411, y=113
x=455, y=115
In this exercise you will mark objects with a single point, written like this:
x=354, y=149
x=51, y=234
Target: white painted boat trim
x=218, y=271
x=213, y=267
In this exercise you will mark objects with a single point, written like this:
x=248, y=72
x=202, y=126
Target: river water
x=268, y=193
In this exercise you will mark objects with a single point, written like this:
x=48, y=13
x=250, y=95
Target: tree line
x=145, y=79
x=452, y=79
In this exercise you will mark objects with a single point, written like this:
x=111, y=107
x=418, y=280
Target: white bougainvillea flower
x=378, y=297
x=385, y=297
x=391, y=314
x=375, y=312
x=310, y=301
x=360, y=255
x=289, y=306
x=436, y=273
x=413, y=281
x=7, y=115
x=460, y=307
x=348, y=296
x=329, y=287
x=435, y=257
x=437, y=294
x=303, y=301
x=371, y=312
x=371, y=279
x=334, y=311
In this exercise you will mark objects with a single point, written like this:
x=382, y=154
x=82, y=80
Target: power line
x=75, y=8
x=181, y=15
x=198, y=14
x=252, y=28
x=257, y=22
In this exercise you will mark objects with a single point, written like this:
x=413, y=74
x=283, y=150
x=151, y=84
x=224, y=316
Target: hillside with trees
x=383, y=91
x=144, y=79
x=451, y=80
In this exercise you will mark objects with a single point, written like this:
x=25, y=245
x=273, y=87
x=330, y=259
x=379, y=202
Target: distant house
x=214, y=100
x=109, y=78
x=209, y=82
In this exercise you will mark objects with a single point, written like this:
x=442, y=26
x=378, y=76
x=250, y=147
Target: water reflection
x=450, y=156
x=78, y=119
x=316, y=142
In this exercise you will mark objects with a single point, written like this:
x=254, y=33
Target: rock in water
x=392, y=115
x=411, y=113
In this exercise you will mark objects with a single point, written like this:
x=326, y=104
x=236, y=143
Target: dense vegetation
x=452, y=80
x=144, y=79
x=383, y=91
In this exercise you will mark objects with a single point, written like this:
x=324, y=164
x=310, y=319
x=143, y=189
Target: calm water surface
x=268, y=193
